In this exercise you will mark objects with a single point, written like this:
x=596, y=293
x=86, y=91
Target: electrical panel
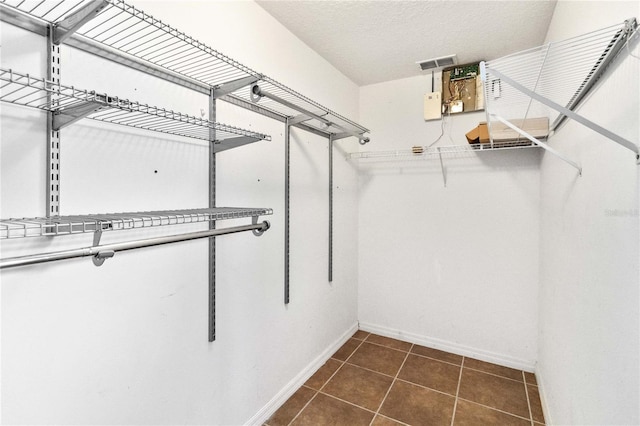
x=432, y=106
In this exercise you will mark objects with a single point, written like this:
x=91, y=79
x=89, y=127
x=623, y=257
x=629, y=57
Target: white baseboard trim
x=483, y=355
x=543, y=398
x=289, y=389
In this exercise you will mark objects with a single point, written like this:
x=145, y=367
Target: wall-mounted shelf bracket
x=223, y=145
x=259, y=232
x=538, y=142
x=71, y=23
x=230, y=87
x=70, y=115
x=444, y=173
x=299, y=119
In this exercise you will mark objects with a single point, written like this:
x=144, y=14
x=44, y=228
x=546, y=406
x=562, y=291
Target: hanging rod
x=257, y=93
x=108, y=250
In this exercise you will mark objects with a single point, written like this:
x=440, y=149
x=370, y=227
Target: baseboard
x=289, y=389
x=455, y=348
x=543, y=398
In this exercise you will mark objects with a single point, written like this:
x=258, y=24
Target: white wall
x=588, y=359
x=126, y=343
x=454, y=268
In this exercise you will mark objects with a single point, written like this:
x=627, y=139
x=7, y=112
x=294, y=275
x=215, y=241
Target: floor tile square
x=383, y=421
x=470, y=414
x=530, y=378
x=437, y=354
x=493, y=391
x=360, y=335
x=378, y=358
x=389, y=342
x=488, y=367
x=536, y=404
x=417, y=406
x=359, y=386
x=433, y=374
x=291, y=407
x=347, y=349
x=325, y=410
x=323, y=374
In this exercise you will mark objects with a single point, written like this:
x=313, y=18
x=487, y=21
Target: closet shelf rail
x=78, y=224
x=433, y=153
x=144, y=41
x=70, y=104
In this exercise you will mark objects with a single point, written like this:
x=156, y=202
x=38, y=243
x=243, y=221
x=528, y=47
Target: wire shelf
x=561, y=72
x=133, y=32
x=67, y=101
x=434, y=153
x=64, y=225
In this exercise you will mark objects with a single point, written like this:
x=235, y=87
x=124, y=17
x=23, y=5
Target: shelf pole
x=109, y=249
x=53, y=135
x=330, y=208
x=212, y=224
x=287, y=158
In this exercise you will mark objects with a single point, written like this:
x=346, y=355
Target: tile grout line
x=526, y=391
x=342, y=363
x=302, y=409
x=455, y=404
x=392, y=383
x=493, y=408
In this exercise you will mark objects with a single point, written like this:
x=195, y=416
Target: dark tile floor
x=375, y=380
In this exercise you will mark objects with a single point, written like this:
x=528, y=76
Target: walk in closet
x=316, y=242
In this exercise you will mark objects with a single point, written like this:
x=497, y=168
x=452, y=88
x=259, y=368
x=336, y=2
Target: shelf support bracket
x=265, y=226
x=538, y=142
x=299, y=119
x=219, y=146
x=231, y=86
x=71, y=23
x=66, y=116
x=580, y=119
x=99, y=258
x=444, y=174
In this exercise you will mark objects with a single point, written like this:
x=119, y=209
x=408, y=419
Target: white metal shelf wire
x=133, y=32
x=69, y=103
x=552, y=80
x=78, y=224
x=434, y=153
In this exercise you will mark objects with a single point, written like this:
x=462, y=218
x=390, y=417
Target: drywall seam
x=290, y=388
x=520, y=364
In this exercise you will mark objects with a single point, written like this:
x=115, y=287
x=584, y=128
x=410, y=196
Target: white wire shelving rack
x=449, y=151
x=118, y=31
x=553, y=80
x=79, y=224
x=121, y=33
x=70, y=104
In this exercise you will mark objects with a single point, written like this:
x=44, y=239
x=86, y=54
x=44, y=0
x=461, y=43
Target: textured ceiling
x=374, y=41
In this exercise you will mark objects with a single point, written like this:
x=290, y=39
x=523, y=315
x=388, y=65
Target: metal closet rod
x=108, y=250
x=256, y=93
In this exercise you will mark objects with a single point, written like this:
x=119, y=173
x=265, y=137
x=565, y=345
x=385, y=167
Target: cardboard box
x=479, y=134
x=536, y=127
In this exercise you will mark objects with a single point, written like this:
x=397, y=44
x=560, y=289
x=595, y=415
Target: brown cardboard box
x=536, y=127
x=479, y=134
